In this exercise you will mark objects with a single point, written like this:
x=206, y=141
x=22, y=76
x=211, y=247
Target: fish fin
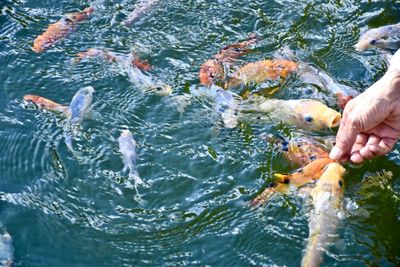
x=271, y=190
x=136, y=178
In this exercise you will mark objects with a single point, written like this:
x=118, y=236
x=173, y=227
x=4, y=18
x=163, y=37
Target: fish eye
x=340, y=183
x=159, y=88
x=308, y=118
x=372, y=42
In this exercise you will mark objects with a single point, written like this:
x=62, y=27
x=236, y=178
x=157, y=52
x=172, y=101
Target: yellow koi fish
x=305, y=113
x=326, y=199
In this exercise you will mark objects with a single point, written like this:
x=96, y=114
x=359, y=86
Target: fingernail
x=335, y=153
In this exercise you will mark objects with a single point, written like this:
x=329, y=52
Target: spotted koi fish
x=59, y=30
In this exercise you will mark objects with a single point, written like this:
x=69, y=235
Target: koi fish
x=147, y=83
x=59, y=30
x=113, y=57
x=140, y=10
x=6, y=249
x=310, y=74
x=77, y=110
x=214, y=69
x=304, y=113
x=211, y=71
x=261, y=71
x=300, y=177
x=127, y=147
x=299, y=151
x=385, y=37
x=45, y=103
x=326, y=199
x=223, y=102
x=228, y=108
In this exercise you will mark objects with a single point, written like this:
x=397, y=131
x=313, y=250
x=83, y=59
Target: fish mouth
x=359, y=47
x=163, y=90
x=332, y=118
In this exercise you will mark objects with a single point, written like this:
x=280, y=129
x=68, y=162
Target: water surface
x=64, y=209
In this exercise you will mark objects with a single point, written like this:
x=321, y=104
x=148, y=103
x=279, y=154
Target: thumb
x=345, y=139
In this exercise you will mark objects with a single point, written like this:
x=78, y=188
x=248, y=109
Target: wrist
x=393, y=79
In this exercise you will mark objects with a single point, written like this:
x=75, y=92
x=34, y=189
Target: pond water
x=77, y=209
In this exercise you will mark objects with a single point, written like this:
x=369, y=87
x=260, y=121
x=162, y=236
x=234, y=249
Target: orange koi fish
x=307, y=174
x=213, y=69
x=261, y=71
x=45, y=103
x=114, y=57
x=59, y=30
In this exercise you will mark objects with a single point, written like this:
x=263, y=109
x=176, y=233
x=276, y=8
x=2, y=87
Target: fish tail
x=134, y=175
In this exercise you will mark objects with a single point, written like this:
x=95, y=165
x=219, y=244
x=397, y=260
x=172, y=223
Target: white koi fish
x=77, y=110
x=385, y=37
x=140, y=10
x=127, y=147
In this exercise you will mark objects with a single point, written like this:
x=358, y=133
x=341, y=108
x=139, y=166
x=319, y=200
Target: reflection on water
x=64, y=209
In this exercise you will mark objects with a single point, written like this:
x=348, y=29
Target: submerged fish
x=326, y=199
x=77, y=110
x=299, y=151
x=59, y=30
x=147, y=83
x=223, y=103
x=6, y=249
x=114, y=57
x=228, y=107
x=140, y=10
x=304, y=113
x=214, y=69
x=127, y=147
x=261, y=71
x=385, y=37
x=320, y=78
x=45, y=103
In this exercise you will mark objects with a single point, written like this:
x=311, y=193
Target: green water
x=68, y=210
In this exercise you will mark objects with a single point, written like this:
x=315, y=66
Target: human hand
x=370, y=124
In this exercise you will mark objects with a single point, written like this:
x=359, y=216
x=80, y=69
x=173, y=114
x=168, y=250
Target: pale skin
x=370, y=124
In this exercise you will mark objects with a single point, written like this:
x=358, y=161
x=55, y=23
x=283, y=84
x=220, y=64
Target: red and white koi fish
x=114, y=57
